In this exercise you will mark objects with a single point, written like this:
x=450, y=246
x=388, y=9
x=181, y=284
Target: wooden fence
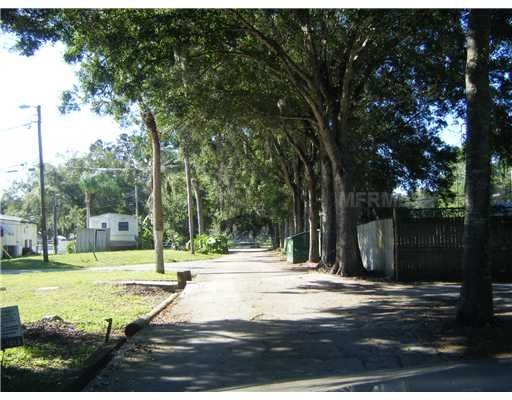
x=430, y=248
x=91, y=239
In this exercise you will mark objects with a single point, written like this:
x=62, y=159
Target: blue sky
x=40, y=79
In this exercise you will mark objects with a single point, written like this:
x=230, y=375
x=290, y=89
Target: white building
x=124, y=229
x=16, y=234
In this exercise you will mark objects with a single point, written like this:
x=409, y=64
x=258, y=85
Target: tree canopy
x=283, y=113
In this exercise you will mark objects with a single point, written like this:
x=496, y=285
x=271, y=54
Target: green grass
x=78, y=299
x=105, y=259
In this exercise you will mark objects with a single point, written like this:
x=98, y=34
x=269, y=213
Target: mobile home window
x=103, y=225
x=123, y=226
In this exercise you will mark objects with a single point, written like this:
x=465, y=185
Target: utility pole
x=87, y=209
x=137, y=213
x=136, y=204
x=55, y=233
x=44, y=233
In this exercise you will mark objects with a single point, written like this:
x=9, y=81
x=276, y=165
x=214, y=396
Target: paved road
x=169, y=267
x=253, y=320
x=473, y=376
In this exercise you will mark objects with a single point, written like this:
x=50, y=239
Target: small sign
x=12, y=335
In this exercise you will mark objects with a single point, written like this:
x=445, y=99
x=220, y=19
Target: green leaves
x=211, y=244
x=380, y=82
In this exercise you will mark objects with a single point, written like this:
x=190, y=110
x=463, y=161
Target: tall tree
x=328, y=225
x=156, y=179
x=190, y=201
x=475, y=303
x=343, y=65
x=199, y=205
x=113, y=77
x=89, y=187
x=306, y=150
x=372, y=84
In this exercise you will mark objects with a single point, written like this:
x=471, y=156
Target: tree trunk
x=55, y=230
x=158, y=221
x=314, y=255
x=278, y=235
x=291, y=223
x=189, y=203
x=328, y=220
x=199, y=206
x=476, y=304
x=87, y=209
x=348, y=256
x=298, y=210
x=310, y=208
x=272, y=233
x=298, y=200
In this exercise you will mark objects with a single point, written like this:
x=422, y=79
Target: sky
x=40, y=79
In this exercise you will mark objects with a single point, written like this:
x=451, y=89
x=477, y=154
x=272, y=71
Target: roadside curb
x=104, y=354
x=136, y=325
x=97, y=361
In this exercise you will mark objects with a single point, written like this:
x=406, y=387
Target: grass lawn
x=105, y=259
x=83, y=304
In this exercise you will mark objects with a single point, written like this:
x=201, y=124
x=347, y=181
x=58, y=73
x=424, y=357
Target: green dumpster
x=297, y=248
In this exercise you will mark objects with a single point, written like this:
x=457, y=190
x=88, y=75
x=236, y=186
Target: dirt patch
x=169, y=316
x=143, y=290
x=47, y=340
x=476, y=342
x=53, y=330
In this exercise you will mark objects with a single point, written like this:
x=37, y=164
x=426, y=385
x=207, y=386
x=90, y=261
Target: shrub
x=174, y=240
x=70, y=247
x=146, y=234
x=211, y=244
x=264, y=240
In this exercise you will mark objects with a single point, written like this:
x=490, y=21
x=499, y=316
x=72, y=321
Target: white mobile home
x=16, y=234
x=124, y=229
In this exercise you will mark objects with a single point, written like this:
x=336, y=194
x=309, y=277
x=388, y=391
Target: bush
x=174, y=240
x=146, y=234
x=70, y=247
x=211, y=244
x=264, y=240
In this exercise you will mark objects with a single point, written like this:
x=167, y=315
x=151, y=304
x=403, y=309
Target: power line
x=28, y=125
x=24, y=166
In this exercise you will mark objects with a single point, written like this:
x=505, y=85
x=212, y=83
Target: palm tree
x=89, y=186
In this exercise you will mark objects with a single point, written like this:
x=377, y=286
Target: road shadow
x=402, y=326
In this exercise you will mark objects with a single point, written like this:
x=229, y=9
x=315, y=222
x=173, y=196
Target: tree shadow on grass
x=23, y=265
x=414, y=327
